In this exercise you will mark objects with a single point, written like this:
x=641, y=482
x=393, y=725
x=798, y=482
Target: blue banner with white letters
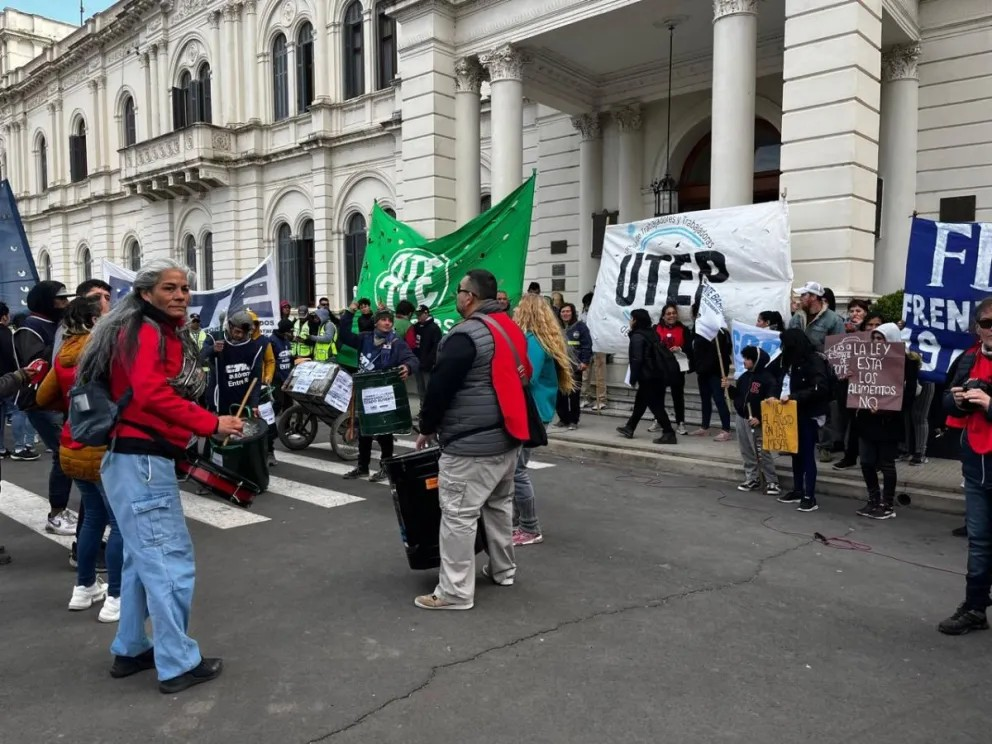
x=745, y=335
x=948, y=272
x=17, y=270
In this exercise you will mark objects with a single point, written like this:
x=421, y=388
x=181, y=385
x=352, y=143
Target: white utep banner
x=711, y=318
x=258, y=292
x=744, y=253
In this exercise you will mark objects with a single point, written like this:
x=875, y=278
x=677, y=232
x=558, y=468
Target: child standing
x=755, y=385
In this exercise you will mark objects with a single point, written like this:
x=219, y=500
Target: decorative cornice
x=901, y=62
x=722, y=8
x=588, y=126
x=469, y=75
x=504, y=63
x=628, y=118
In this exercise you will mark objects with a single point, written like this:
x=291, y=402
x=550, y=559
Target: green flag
x=400, y=264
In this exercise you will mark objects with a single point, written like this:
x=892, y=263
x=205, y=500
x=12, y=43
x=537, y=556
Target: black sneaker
x=960, y=531
x=667, y=438
x=378, y=476
x=73, y=562
x=125, y=666
x=868, y=508
x=882, y=511
x=807, y=505
x=917, y=460
x=625, y=432
x=844, y=464
x=205, y=671
x=25, y=454
x=790, y=497
x=356, y=474
x=750, y=485
x=964, y=621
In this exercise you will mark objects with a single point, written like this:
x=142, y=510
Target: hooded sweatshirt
x=754, y=386
x=807, y=371
x=889, y=426
x=35, y=338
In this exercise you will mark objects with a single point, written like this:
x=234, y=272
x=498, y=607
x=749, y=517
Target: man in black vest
x=236, y=360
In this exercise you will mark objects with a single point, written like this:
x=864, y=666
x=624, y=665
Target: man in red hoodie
x=475, y=406
x=152, y=368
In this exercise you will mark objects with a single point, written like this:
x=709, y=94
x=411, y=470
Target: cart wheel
x=344, y=447
x=296, y=428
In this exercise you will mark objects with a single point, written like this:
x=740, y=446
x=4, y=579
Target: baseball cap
x=285, y=326
x=384, y=313
x=813, y=288
x=65, y=292
x=423, y=309
x=194, y=316
x=285, y=303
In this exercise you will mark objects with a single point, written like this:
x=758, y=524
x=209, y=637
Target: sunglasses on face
x=985, y=324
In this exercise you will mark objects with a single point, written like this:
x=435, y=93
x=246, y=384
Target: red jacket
x=506, y=376
x=155, y=404
x=672, y=338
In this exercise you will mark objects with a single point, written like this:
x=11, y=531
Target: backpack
x=833, y=382
x=93, y=413
x=660, y=362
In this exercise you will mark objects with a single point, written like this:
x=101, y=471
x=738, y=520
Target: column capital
x=143, y=60
x=468, y=75
x=723, y=8
x=628, y=118
x=231, y=12
x=93, y=85
x=588, y=126
x=214, y=18
x=901, y=62
x=251, y=7
x=504, y=63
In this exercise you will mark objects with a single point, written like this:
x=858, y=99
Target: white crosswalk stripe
x=29, y=509
x=211, y=510
x=409, y=444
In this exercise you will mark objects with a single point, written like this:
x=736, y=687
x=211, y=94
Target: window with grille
x=42, y=164
x=304, y=68
x=77, y=153
x=130, y=126
x=280, y=79
x=355, y=240
x=354, y=52
x=207, y=262
x=386, y=29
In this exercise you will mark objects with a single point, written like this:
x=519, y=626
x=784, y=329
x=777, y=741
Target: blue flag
x=948, y=272
x=17, y=271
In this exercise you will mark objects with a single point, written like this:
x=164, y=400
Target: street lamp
x=666, y=191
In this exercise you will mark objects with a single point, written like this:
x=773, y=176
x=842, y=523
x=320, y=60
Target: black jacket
x=637, y=351
x=889, y=426
x=428, y=334
x=705, y=357
x=754, y=386
x=7, y=363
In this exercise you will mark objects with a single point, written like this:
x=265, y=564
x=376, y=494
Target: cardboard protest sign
x=875, y=370
x=780, y=426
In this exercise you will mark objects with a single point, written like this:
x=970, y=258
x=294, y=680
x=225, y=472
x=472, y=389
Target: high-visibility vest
x=301, y=348
x=201, y=337
x=324, y=350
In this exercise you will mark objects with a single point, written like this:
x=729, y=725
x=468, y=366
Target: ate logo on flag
x=415, y=275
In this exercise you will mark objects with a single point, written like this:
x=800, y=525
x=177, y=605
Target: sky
x=60, y=10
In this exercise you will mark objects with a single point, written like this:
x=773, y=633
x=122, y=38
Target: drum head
x=255, y=429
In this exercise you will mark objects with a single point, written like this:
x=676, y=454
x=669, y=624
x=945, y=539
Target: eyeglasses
x=465, y=291
x=985, y=324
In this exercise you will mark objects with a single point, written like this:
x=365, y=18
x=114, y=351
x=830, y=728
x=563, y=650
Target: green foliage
x=890, y=306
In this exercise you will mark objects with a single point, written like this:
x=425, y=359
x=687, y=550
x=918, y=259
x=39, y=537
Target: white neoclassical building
x=218, y=131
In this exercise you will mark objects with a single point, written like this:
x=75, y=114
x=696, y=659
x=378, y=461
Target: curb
x=829, y=483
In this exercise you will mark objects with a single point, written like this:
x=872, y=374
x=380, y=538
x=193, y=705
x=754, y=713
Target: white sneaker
x=63, y=523
x=111, y=610
x=681, y=430
x=83, y=597
x=654, y=427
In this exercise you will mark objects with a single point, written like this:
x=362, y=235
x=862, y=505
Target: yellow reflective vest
x=323, y=351
x=301, y=348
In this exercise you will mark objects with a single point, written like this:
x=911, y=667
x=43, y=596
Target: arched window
x=386, y=50
x=203, y=77
x=297, y=279
x=85, y=264
x=77, y=152
x=355, y=240
x=207, y=262
x=354, y=52
x=286, y=254
x=390, y=211
x=694, y=181
x=191, y=100
x=42, y=163
x=485, y=203
x=132, y=255
x=46, y=266
x=304, y=68
x=189, y=256
x=130, y=127
x=280, y=79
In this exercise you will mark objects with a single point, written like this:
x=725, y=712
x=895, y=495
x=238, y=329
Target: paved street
x=659, y=609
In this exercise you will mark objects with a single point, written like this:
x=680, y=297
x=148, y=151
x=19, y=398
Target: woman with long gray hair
x=142, y=353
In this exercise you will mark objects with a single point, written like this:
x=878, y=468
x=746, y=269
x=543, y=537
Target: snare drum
x=220, y=481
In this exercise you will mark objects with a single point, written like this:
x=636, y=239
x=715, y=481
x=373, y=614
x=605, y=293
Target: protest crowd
x=152, y=388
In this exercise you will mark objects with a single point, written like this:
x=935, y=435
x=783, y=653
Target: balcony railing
x=180, y=163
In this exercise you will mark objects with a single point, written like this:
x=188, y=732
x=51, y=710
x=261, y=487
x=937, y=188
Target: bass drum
x=246, y=455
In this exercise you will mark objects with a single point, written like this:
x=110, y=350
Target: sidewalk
x=934, y=486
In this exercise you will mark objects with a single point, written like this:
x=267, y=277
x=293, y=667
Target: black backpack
x=659, y=361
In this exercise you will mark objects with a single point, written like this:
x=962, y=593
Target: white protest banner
x=711, y=318
x=258, y=292
x=339, y=396
x=742, y=251
x=749, y=335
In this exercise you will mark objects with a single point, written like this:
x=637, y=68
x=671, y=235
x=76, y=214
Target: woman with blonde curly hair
x=552, y=372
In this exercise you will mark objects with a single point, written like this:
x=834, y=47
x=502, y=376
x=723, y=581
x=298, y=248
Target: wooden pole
x=241, y=408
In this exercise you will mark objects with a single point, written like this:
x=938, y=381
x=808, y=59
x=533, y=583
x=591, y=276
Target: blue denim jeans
x=978, y=517
x=804, y=461
x=524, y=505
x=159, y=570
x=49, y=427
x=98, y=516
x=23, y=431
x=710, y=392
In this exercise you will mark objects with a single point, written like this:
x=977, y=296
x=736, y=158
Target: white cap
x=812, y=288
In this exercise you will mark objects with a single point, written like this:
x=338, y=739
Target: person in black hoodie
x=755, y=385
x=711, y=359
x=805, y=381
x=647, y=377
x=427, y=336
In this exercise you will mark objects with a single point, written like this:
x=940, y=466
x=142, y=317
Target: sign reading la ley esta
x=874, y=370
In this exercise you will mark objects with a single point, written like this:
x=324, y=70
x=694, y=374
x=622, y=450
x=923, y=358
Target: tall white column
x=54, y=172
x=95, y=129
x=229, y=76
x=158, y=93
x=321, y=56
x=162, y=94
x=505, y=66
x=590, y=193
x=250, y=66
x=291, y=77
x=332, y=63
x=14, y=155
x=220, y=78
x=371, y=52
x=735, y=49
x=631, y=163
x=468, y=162
x=897, y=162
x=146, y=105
x=105, y=119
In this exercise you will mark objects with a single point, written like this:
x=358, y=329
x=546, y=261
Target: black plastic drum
x=414, y=481
x=246, y=456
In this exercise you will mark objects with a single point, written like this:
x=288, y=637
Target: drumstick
x=351, y=418
x=244, y=402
